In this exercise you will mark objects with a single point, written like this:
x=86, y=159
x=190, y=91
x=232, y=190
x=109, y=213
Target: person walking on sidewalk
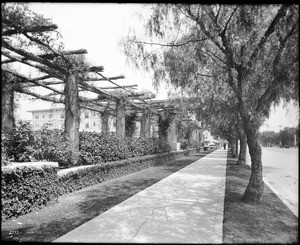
x=224, y=146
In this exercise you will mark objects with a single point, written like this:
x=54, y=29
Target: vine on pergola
x=32, y=40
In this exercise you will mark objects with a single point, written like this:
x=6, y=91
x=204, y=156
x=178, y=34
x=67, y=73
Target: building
x=55, y=118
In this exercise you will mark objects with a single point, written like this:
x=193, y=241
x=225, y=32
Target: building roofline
x=49, y=109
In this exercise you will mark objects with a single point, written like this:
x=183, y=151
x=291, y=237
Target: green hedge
x=26, y=145
x=185, y=143
x=96, y=148
x=26, y=189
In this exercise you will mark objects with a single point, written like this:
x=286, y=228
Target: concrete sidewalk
x=185, y=207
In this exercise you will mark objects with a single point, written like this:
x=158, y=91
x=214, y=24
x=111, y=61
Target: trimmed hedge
x=26, y=189
x=185, y=143
x=25, y=145
x=96, y=148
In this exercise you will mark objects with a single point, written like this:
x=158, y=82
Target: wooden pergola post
x=172, y=134
x=72, y=115
x=145, y=124
x=7, y=103
x=120, y=118
x=104, y=122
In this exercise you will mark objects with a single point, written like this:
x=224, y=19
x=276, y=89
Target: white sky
x=98, y=28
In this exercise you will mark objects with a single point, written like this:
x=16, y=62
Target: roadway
x=280, y=173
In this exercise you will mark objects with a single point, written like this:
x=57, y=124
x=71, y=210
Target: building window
x=86, y=114
x=50, y=116
x=36, y=116
x=62, y=115
x=87, y=125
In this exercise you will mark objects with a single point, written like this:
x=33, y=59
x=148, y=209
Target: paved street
x=280, y=170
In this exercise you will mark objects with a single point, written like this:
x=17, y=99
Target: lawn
x=271, y=221
x=74, y=209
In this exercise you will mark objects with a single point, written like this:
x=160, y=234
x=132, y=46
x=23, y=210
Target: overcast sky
x=98, y=28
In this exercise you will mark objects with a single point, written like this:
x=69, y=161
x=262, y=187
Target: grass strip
x=270, y=221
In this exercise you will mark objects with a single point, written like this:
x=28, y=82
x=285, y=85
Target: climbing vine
x=130, y=124
x=164, y=121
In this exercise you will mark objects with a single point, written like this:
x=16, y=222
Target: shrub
x=26, y=189
x=26, y=145
x=185, y=143
x=96, y=148
x=51, y=145
x=4, y=158
x=18, y=142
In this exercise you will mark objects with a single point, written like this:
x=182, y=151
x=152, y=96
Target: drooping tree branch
x=282, y=46
x=169, y=44
x=280, y=14
x=279, y=79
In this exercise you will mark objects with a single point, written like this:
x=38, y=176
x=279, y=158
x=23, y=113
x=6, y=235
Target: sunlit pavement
x=280, y=173
x=185, y=207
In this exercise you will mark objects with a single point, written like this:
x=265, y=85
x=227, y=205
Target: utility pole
x=295, y=139
x=279, y=132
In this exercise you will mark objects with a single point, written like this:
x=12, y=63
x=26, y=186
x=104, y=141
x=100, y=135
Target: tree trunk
x=120, y=119
x=243, y=144
x=72, y=115
x=255, y=188
x=233, y=147
x=7, y=113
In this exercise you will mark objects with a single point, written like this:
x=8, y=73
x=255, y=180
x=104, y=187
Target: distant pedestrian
x=224, y=146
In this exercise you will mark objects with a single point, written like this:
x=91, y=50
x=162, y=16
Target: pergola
x=58, y=67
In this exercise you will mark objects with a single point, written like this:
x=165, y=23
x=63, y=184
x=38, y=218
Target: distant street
x=280, y=170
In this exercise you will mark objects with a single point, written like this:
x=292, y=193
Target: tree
x=268, y=138
x=251, y=48
x=286, y=136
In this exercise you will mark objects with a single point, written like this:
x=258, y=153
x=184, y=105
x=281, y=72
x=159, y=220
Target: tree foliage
x=284, y=138
x=251, y=49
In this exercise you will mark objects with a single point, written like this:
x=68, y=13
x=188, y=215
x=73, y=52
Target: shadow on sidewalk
x=74, y=209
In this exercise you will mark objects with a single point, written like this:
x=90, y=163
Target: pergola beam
x=41, y=68
x=32, y=30
x=32, y=57
x=51, y=56
x=92, y=79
